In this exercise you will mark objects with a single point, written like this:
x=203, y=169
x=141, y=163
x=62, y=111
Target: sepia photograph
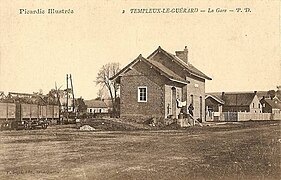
x=140, y=89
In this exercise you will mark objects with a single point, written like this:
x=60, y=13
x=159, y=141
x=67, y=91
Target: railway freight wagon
x=27, y=116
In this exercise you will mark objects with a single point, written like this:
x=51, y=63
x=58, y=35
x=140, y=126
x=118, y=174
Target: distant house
x=162, y=85
x=262, y=94
x=239, y=101
x=271, y=105
x=213, y=107
x=96, y=106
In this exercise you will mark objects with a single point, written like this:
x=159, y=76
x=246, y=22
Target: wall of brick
x=142, y=75
x=159, y=95
x=197, y=89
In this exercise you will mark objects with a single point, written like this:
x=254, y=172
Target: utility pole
x=73, y=99
x=67, y=97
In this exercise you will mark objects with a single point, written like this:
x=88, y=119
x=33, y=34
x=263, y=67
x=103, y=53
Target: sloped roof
x=95, y=104
x=262, y=94
x=217, y=94
x=235, y=98
x=215, y=97
x=166, y=70
x=188, y=66
x=274, y=103
x=157, y=66
x=238, y=99
x=130, y=65
x=163, y=69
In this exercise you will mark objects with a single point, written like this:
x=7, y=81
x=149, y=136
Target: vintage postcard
x=140, y=89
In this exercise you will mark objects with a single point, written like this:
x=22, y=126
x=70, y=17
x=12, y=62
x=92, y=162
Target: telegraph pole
x=67, y=97
x=72, y=91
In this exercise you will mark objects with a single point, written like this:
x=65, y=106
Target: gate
x=230, y=116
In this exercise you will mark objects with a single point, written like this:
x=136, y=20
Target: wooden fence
x=276, y=116
x=229, y=116
x=244, y=116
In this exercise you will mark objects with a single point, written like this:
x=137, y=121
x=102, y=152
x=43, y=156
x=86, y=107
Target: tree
x=80, y=105
x=271, y=94
x=109, y=70
x=40, y=91
x=102, y=94
x=51, y=97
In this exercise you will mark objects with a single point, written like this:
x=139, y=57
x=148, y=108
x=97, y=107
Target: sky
x=239, y=51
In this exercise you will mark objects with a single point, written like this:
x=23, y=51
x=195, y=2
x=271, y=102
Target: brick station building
x=161, y=86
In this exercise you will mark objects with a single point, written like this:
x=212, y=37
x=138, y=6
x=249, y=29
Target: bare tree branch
x=108, y=70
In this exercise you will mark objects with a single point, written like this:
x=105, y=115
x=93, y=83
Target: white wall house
x=96, y=106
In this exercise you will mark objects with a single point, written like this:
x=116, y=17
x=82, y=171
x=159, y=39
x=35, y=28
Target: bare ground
x=249, y=150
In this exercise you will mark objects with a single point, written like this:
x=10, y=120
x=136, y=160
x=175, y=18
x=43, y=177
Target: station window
x=142, y=94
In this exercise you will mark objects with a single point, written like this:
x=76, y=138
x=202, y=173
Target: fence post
x=7, y=112
x=227, y=115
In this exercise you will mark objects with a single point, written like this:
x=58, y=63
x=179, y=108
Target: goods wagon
x=26, y=116
x=7, y=111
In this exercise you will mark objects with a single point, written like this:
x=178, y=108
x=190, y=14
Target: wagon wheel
x=44, y=126
x=28, y=126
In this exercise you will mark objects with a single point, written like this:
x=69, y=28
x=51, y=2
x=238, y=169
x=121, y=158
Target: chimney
x=222, y=95
x=183, y=55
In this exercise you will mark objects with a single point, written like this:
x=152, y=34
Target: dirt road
x=238, y=151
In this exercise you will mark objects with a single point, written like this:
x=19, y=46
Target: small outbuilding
x=213, y=107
